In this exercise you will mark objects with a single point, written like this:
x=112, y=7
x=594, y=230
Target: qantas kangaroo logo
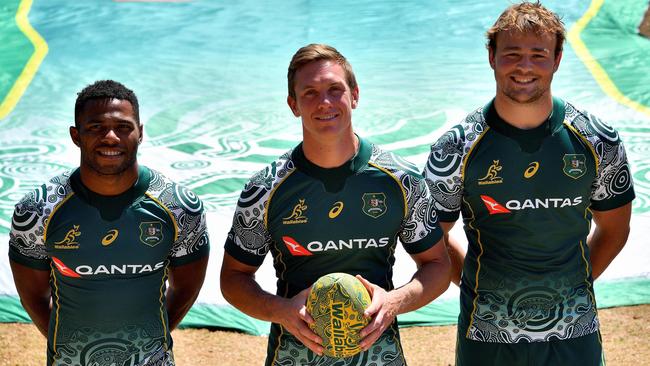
x=65, y=270
x=295, y=248
x=493, y=206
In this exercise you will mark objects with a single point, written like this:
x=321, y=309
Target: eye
x=309, y=93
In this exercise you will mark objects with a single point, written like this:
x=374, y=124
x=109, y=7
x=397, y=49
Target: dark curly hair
x=105, y=89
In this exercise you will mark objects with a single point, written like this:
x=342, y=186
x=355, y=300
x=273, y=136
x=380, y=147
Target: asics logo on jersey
x=295, y=248
x=529, y=204
x=492, y=175
x=336, y=210
x=493, y=206
x=531, y=170
x=110, y=237
x=69, y=241
x=297, y=214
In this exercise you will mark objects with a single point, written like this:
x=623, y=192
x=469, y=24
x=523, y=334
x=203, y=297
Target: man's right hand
x=292, y=314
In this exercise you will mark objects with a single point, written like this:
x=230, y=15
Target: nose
x=110, y=137
x=324, y=101
x=524, y=63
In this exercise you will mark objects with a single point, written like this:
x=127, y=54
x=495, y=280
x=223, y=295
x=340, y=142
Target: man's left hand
x=382, y=312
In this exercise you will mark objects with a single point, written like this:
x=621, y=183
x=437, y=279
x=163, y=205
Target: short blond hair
x=528, y=17
x=317, y=52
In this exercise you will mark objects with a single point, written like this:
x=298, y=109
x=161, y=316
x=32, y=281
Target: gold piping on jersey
x=58, y=308
x=268, y=202
x=277, y=347
x=478, y=268
x=584, y=139
x=169, y=213
x=163, y=309
x=584, y=258
x=56, y=208
x=398, y=184
x=471, y=149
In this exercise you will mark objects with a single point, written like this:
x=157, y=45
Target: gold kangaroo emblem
x=70, y=236
x=492, y=176
x=298, y=209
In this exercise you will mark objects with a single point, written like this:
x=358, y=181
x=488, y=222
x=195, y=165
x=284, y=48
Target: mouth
x=109, y=153
x=523, y=80
x=326, y=117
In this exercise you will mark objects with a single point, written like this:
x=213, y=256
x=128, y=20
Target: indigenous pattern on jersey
x=108, y=259
x=316, y=221
x=526, y=198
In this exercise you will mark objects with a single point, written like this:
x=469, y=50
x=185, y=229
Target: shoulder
x=392, y=163
x=458, y=139
x=590, y=127
x=260, y=186
x=176, y=198
x=42, y=200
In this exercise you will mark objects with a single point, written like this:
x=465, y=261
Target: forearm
x=178, y=304
x=457, y=257
x=243, y=292
x=428, y=282
x=38, y=310
x=603, y=249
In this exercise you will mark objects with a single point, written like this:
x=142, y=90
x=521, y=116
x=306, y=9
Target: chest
x=365, y=215
x=81, y=237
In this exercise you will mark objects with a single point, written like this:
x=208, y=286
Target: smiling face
x=323, y=100
x=524, y=64
x=108, y=135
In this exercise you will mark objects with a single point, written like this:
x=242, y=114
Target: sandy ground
x=625, y=330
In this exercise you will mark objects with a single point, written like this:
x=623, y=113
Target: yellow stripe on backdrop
x=592, y=65
x=26, y=76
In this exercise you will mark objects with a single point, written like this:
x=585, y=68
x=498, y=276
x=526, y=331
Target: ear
x=558, y=58
x=491, y=57
x=293, y=105
x=74, y=135
x=355, y=97
x=141, y=129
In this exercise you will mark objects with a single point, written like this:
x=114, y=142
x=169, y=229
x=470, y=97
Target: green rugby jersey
x=108, y=259
x=316, y=221
x=526, y=198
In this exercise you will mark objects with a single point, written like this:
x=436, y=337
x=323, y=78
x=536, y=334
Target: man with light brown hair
x=334, y=203
x=529, y=172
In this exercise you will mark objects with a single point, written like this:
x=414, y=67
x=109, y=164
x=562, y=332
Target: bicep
x=614, y=220
x=29, y=281
x=436, y=253
x=188, y=275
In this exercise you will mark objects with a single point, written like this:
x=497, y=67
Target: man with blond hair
x=530, y=172
x=334, y=203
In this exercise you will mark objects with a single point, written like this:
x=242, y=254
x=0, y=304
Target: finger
x=374, y=324
x=305, y=316
x=370, y=339
x=310, y=339
x=366, y=284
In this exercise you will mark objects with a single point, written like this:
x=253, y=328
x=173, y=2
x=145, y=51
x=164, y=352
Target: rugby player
x=334, y=203
x=530, y=172
x=91, y=250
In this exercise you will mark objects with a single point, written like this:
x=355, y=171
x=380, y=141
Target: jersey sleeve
x=420, y=229
x=443, y=173
x=26, y=238
x=192, y=241
x=613, y=186
x=249, y=239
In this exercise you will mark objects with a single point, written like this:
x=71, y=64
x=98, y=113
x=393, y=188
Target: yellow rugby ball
x=337, y=302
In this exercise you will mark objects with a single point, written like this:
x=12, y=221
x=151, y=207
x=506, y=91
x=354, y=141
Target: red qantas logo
x=65, y=270
x=295, y=248
x=493, y=206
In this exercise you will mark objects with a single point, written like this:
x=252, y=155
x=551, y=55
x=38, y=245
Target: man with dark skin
x=108, y=258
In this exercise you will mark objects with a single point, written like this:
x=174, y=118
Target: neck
x=332, y=153
x=524, y=116
x=111, y=184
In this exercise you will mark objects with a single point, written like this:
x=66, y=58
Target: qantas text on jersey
x=111, y=269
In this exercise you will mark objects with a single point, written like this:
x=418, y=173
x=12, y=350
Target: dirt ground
x=625, y=330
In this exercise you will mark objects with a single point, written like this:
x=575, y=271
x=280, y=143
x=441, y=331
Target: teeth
x=327, y=116
x=110, y=153
x=523, y=81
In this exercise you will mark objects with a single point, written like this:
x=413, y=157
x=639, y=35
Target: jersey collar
x=333, y=178
x=104, y=203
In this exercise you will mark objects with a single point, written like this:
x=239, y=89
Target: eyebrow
x=534, y=49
